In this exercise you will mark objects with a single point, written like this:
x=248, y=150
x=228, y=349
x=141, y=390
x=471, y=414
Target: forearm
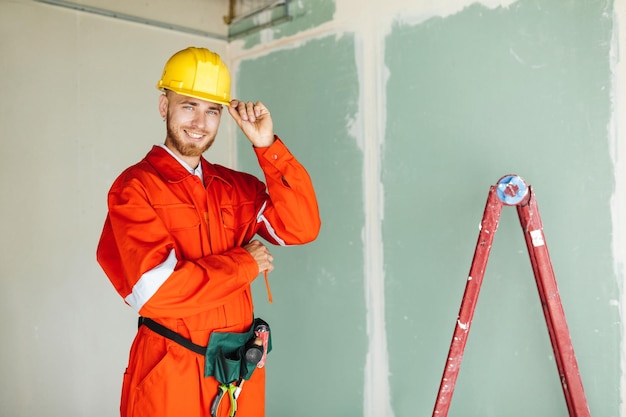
x=197, y=286
x=292, y=210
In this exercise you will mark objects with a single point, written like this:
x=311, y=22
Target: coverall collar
x=197, y=171
x=173, y=171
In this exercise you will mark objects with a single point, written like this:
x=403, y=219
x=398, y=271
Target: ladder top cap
x=511, y=189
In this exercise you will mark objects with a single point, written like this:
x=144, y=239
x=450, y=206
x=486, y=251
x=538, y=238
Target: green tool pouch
x=228, y=354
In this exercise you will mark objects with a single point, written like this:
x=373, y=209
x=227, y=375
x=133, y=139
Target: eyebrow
x=194, y=103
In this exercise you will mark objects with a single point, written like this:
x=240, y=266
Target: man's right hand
x=261, y=255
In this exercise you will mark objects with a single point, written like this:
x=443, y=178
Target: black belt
x=172, y=335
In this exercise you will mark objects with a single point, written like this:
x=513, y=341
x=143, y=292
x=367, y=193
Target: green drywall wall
x=469, y=98
x=472, y=97
x=318, y=319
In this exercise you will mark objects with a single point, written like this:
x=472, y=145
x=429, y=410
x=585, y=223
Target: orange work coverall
x=172, y=247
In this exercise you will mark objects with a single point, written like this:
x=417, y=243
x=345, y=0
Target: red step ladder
x=511, y=190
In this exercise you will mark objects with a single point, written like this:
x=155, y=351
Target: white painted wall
x=79, y=105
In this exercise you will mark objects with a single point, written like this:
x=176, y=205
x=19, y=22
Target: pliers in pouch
x=233, y=393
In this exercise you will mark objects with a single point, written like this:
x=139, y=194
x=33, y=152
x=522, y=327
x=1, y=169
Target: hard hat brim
x=225, y=101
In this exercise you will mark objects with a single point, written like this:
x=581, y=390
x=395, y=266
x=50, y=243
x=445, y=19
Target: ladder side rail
x=488, y=227
x=525, y=213
x=525, y=216
x=565, y=359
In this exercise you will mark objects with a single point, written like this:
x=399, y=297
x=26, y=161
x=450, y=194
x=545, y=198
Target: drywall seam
x=618, y=199
x=371, y=119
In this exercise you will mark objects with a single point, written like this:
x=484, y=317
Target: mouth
x=194, y=135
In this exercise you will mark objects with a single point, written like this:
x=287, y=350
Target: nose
x=199, y=119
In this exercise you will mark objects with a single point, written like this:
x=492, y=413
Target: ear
x=163, y=103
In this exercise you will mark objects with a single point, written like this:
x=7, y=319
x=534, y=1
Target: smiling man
x=178, y=245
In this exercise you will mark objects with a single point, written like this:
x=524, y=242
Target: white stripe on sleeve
x=151, y=281
x=261, y=218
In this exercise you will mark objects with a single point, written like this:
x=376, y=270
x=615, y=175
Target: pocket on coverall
x=237, y=219
x=170, y=388
x=183, y=222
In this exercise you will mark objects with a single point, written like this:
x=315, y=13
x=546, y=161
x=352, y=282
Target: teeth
x=194, y=135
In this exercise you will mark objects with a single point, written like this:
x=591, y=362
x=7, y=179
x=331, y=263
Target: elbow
x=311, y=232
x=307, y=233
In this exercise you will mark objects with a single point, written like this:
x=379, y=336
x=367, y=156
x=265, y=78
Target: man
x=178, y=245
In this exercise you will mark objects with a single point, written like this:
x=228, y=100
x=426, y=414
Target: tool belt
x=228, y=354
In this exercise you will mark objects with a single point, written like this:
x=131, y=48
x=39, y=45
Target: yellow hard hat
x=199, y=73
